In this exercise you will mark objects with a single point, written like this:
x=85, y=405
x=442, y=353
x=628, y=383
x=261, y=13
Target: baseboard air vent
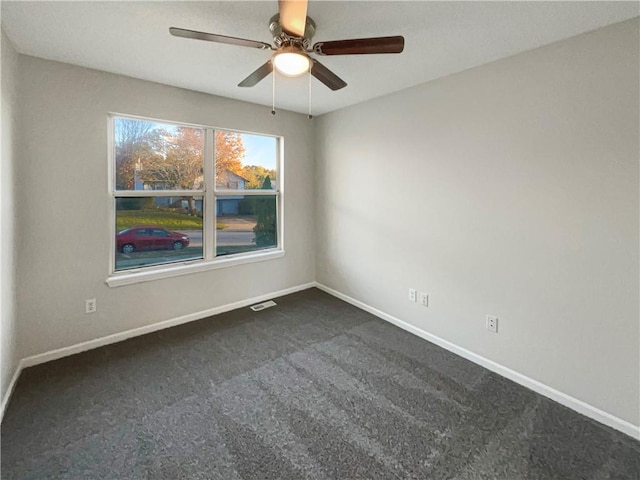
x=261, y=306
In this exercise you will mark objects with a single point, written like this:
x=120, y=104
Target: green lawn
x=168, y=220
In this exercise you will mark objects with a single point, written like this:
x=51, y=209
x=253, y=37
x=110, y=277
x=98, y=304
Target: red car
x=149, y=237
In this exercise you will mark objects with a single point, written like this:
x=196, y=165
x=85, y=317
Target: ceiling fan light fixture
x=291, y=62
x=292, y=33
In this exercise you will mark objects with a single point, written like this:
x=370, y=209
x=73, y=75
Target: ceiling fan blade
x=258, y=75
x=361, y=46
x=212, y=37
x=326, y=76
x=293, y=16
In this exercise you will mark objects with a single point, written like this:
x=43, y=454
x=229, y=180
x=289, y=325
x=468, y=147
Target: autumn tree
x=229, y=151
x=256, y=175
x=178, y=160
x=171, y=159
x=134, y=141
x=178, y=163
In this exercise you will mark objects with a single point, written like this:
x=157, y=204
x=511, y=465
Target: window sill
x=168, y=271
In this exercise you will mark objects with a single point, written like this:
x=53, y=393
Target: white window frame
x=209, y=193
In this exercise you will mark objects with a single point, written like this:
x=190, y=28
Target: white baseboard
x=549, y=392
x=538, y=387
x=10, y=388
x=118, y=337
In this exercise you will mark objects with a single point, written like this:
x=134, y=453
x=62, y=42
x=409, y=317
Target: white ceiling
x=132, y=38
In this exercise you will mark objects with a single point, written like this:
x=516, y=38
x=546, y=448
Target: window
x=190, y=195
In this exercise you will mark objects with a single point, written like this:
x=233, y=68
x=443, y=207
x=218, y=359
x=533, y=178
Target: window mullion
x=158, y=193
x=210, y=199
x=247, y=193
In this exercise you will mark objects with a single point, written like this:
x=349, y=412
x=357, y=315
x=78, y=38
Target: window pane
x=157, y=230
x=157, y=156
x=245, y=223
x=245, y=161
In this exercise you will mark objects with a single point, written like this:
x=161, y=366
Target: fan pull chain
x=273, y=93
x=310, y=116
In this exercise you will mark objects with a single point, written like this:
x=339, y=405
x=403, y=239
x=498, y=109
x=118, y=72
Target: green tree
x=265, y=229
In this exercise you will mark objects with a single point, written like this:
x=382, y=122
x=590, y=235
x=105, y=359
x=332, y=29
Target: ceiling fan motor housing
x=281, y=38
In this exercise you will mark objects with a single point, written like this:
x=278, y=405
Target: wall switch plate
x=90, y=305
x=412, y=295
x=423, y=299
x=492, y=323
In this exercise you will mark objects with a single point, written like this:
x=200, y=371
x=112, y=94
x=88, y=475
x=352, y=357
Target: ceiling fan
x=292, y=32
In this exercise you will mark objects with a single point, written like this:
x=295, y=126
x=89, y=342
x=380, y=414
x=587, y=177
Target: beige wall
x=63, y=206
x=8, y=354
x=514, y=193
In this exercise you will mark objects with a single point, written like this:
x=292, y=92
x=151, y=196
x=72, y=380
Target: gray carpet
x=313, y=388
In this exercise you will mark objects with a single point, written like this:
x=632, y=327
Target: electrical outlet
x=424, y=299
x=492, y=323
x=412, y=294
x=90, y=305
